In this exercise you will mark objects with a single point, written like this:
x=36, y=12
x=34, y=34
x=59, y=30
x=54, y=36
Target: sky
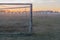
x=38, y=4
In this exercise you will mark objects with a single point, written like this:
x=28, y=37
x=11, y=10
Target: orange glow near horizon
x=15, y=10
x=46, y=9
x=12, y=8
x=34, y=9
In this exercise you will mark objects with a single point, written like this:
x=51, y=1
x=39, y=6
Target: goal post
x=22, y=10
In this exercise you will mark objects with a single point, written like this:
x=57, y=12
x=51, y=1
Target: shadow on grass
x=32, y=36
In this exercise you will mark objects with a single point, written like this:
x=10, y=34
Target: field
x=45, y=27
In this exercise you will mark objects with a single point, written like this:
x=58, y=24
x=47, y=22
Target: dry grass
x=44, y=28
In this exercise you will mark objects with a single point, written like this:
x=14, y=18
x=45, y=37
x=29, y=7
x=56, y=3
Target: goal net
x=15, y=17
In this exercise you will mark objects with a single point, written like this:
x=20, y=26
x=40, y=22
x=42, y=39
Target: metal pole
x=30, y=27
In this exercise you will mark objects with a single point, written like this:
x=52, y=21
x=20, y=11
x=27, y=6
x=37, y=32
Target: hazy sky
x=39, y=4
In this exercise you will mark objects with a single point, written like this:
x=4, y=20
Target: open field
x=45, y=27
x=13, y=22
x=44, y=23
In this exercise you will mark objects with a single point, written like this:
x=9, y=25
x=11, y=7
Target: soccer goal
x=15, y=17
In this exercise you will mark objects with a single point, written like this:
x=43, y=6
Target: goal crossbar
x=15, y=3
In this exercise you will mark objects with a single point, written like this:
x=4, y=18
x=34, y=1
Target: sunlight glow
x=38, y=4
